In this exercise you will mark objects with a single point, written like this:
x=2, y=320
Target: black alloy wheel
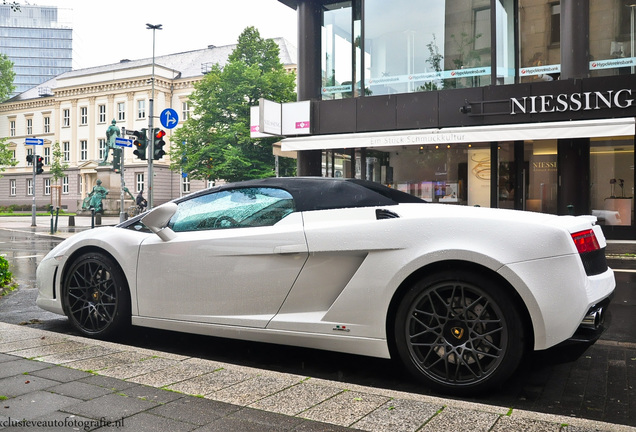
x=459, y=332
x=95, y=296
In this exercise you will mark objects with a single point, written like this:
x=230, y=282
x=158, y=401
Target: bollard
x=71, y=220
x=57, y=215
x=98, y=219
x=51, y=210
x=92, y=218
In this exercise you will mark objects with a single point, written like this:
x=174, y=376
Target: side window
x=236, y=208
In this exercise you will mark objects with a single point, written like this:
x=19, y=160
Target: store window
x=612, y=38
x=539, y=33
x=612, y=180
x=338, y=69
x=444, y=173
x=540, y=173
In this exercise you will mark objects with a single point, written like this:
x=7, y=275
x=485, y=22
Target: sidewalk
x=68, y=383
x=49, y=377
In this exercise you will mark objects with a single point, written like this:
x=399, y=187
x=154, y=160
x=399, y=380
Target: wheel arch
x=73, y=258
x=455, y=265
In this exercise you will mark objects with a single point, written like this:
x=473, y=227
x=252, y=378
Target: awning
x=508, y=132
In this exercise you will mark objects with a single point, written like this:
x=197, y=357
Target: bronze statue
x=94, y=199
x=111, y=133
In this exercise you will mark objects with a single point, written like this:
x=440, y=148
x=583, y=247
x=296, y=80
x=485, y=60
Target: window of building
x=66, y=151
x=408, y=46
x=29, y=186
x=83, y=150
x=12, y=128
x=539, y=58
x=185, y=185
x=555, y=23
x=101, y=113
x=121, y=111
x=102, y=147
x=66, y=118
x=47, y=186
x=612, y=38
x=83, y=116
x=29, y=128
x=47, y=155
x=141, y=109
x=612, y=180
x=185, y=110
x=139, y=182
x=13, y=191
x=65, y=185
x=47, y=124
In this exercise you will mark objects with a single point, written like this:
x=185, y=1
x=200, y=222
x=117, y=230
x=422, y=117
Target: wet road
x=597, y=382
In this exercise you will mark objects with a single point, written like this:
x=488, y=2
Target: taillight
x=585, y=241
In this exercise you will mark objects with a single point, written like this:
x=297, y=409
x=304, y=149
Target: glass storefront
x=612, y=37
x=405, y=46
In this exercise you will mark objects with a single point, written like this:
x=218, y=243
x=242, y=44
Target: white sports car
x=458, y=294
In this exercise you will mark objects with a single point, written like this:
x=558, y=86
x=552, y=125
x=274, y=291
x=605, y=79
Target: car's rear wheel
x=459, y=332
x=95, y=296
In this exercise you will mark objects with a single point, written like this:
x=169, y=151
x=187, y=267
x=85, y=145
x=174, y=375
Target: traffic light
x=140, y=143
x=39, y=164
x=30, y=158
x=158, y=144
x=117, y=159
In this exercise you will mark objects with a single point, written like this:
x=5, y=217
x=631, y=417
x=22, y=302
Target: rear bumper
x=594, y=324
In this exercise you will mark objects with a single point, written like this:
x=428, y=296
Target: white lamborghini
x=456, y=293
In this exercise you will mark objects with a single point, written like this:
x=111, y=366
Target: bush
x=5, y=274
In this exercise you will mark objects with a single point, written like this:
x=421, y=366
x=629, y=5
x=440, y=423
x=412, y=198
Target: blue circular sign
x=169, y=118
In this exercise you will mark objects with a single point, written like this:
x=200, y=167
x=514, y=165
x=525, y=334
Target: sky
x=105, y=32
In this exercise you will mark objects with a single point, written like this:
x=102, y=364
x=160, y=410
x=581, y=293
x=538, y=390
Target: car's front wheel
x=459, y=332
x=95, y=296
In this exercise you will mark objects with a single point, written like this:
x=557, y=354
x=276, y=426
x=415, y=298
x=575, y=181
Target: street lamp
x=151, y=116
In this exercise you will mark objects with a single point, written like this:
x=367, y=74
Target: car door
x=233, y=260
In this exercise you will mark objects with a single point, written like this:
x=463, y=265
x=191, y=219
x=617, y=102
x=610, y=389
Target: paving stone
x=35, y=404
x=72, y=356
x=23, y=384
x=106, y=361
x=18, y=366
x=461, y=420
x=112, y=407
x=175, y=374
x=144, y=422
x=516, y=424
x=194, y=410
x=208, y=383
x=138, y=368
x=345, y=408
x=108, y=382
x=296, y=399
x=59, y=373
x=253, y=389
x=151, y=394
x=398, y=415
x=80, y=390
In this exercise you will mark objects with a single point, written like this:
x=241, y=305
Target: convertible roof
x=322, y=193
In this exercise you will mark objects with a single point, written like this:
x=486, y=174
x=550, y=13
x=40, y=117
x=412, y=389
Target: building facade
x=75, y=110
x=520, y=104
x=37, y=41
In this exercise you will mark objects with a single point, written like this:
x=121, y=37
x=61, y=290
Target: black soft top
x=323, y=193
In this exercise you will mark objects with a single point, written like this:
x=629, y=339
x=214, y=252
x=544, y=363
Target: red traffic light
x=160, y=134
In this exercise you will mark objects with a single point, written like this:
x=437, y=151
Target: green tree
x=215, y=142
x=6, y=77
x=6, y=156
x=58, y=167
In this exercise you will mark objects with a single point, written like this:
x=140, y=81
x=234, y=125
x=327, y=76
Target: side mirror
x=157, y=220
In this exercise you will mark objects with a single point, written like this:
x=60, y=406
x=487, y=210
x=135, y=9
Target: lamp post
x=151, y=150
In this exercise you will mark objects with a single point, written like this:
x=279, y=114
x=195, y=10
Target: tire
x=459, y=332
x=95, y=296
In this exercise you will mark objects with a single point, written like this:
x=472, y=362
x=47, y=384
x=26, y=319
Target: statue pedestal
x=111, y=204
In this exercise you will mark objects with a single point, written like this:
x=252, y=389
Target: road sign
x=123, y=142
x=169, y=118
x=33, y=141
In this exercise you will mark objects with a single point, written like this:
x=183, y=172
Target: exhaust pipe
x=594, y=318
